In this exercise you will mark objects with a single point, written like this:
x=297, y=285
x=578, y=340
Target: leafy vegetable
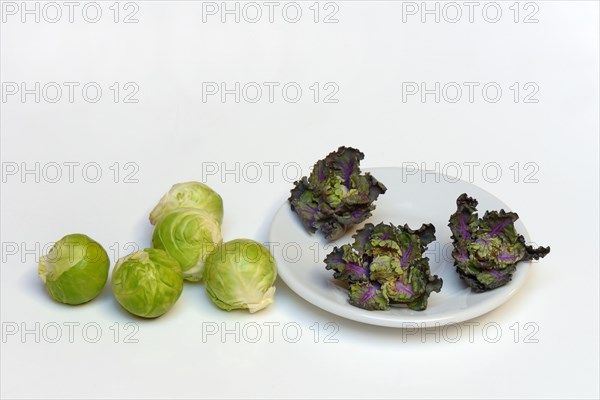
x=385, y=265
x=336, y=195
x=189, y=195
x=147, y=283
x=487, y=250
x=240, y=275
x=75, y=269
x=188, y=235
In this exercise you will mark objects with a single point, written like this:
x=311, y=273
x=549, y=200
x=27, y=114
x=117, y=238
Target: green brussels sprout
x=147, y=283
x=75, y=269
x=239, y=275
x=190, y=195
x=188, y=235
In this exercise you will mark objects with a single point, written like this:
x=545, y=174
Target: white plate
x=412, y=198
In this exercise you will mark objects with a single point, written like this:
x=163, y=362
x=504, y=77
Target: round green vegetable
x=75, y=269
x=190, y=195
x=188, y=235
x=147, y=283
x=239, y=275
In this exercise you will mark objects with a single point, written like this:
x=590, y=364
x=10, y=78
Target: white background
x=173, y=136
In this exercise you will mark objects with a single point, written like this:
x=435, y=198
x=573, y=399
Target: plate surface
x=413, y=197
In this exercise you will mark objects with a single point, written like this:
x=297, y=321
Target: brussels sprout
x=191, y=195
x=75, y=269
x=239, y=275
x=188, y=235
x=147, y=283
